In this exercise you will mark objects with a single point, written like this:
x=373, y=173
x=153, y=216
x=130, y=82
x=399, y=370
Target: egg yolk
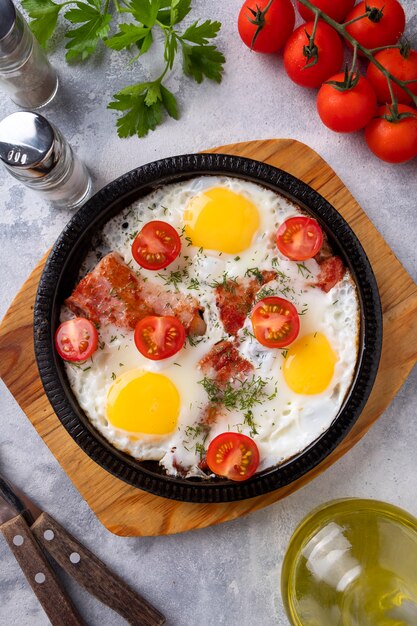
x=143, y=402
x=222, y=220
x=309, y=364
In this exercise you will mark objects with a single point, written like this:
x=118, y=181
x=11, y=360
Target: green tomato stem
x=356, y=19
x=340, y=28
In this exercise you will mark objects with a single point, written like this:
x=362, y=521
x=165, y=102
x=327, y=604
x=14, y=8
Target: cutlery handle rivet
x=74, y=557
x=40, y=578
x=18, y=540
x=49, y=535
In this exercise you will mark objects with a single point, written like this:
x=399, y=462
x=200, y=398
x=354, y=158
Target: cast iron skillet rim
x=170, y=170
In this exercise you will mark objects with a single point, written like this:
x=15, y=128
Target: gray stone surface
x=230, y=574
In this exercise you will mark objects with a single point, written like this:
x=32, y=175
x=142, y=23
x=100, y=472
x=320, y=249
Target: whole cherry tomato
x=265, y=25
x=349, y=110
x=394, y=141
x=309, y=64
x=383, y=27
x=402, y=66
x=336, y=9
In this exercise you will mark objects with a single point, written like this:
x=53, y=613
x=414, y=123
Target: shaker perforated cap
x=7, y=17
x=28, y=143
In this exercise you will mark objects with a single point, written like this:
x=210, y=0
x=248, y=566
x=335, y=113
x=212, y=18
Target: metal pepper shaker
x=25, y=72
x=34, y=151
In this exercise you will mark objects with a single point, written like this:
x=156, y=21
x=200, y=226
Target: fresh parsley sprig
x=143, y=105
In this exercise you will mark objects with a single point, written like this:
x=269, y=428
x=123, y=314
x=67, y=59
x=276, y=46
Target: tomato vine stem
x=368, y=53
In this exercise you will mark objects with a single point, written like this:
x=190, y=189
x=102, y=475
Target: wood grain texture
x=41, y=577
x=127, y=511
x=93, y=574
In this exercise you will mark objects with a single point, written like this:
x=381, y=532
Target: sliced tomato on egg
x=299, y=238
x=233, y=455
x=275, y=322
x=76, y=339
x=157, y=245
x=159, y=337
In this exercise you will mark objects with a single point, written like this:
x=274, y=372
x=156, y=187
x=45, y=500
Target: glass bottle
x=34, y=151
x=25, y=72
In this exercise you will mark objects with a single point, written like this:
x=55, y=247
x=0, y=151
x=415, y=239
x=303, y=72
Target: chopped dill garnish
x=265, y=292
x=194, y=284
x=304, y=271
x=254, y=271
x=237, y=258
x=193, y=341
x=87, y=368
x=304, y=310
x=249, y=421
x=189, y=242
x=200, y=449
x=228, y=283
x=174, y=278
x=113, y=376
x=241, y=395
x=113, y=338
x=133, y=235
x=164, y=208
x=284, y=353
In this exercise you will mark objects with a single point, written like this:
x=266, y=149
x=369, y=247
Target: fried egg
x=152, y=410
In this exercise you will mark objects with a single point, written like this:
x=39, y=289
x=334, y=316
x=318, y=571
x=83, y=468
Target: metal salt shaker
x=25, y=72
x=35, y=153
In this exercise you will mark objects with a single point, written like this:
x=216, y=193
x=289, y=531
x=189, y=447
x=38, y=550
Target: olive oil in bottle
x=352, y=563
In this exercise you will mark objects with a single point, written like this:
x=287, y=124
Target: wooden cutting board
x=127, y=511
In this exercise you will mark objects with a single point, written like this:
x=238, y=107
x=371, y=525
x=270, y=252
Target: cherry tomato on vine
x=265, y=25
x=349, y=110
x=336, y=9
x=275, y=322
x=76, y=339
x=393, y=141
x=310, y=64
x=402, y=66
x=383, y=27
x=299, y=238
x=159, y=337
x=233, y=455
x=156, y=246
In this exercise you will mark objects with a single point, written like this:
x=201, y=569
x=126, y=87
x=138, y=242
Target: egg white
x=283, y=425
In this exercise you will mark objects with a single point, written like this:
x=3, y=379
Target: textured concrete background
x=227, y=575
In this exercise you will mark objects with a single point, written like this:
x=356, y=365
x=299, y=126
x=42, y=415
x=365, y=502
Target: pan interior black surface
x=59, y=277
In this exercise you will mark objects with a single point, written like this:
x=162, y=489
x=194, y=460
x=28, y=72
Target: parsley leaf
x=202, y=61
x=95, y=26
x=179, y=10
x=144, y=104
x=44, y=14
x=128, y=35
x=145, y=11
x=201, y=33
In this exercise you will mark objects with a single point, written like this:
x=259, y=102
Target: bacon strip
x=235, y=298
x=113, y=293
x=224, y=363
x=332, y=271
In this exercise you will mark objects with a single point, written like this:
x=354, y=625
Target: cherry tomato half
x=233, y=455
x=156, y=246
x=275, y=322
x=299, y=238
x=76, y=339
x=380, y=32
x=263, y=28
x=394, y=142
x=159, y=337
x=329, y=51
x=336, y=9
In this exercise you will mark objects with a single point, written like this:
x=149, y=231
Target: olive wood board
x=128, y=511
